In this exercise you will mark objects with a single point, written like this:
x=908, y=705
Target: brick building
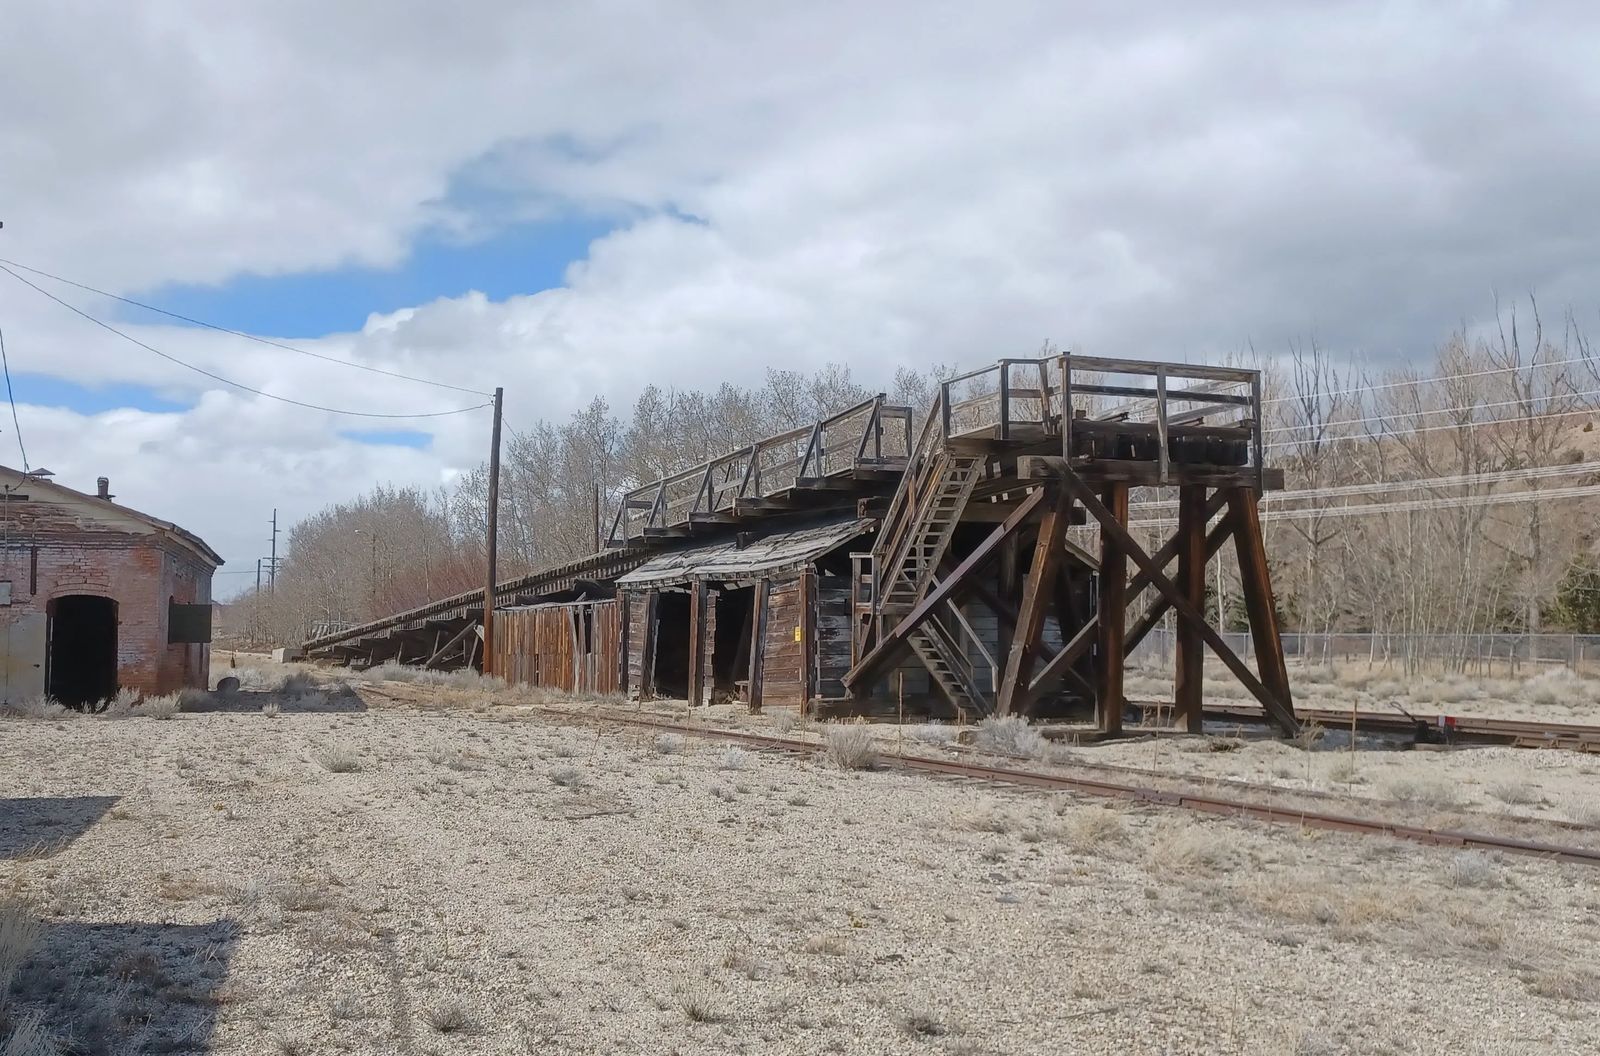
x=95, y=597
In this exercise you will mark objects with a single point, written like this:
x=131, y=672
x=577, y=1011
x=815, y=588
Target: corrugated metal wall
x=575, y=646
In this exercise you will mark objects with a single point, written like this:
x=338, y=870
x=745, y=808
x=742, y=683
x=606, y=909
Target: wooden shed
x=759, y=617
x=572, y=646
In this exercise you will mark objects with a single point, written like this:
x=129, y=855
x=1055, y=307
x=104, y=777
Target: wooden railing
x=872, y=434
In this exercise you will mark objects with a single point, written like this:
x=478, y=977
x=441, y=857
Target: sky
x=572, y=200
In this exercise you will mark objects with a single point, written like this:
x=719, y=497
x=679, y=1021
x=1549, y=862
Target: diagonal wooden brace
x=1277, y=708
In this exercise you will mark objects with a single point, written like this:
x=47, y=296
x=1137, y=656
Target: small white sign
x=5, y=592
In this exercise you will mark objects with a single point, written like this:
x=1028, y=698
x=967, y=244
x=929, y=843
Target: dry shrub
x=567, y=776
x=1472, y=869
x=851, y=747
x=785, y=721
x=296, y=684
x=19, y=933
x=192, y=699
x=1094, y=827
x=1187, y=851
x=26, y=1036
x=1428, y=793
x=339, y=760
x=120, y=706
x=1010, y=735
x=1516, y=793
x=161, y=707
x=698, y=1005
x=271, y=709
x=1563, y=983
x=667, y=744
x=450, y=1017
x=936, y=733
x=1558, y=686
x=733, y=759
x=41, y=707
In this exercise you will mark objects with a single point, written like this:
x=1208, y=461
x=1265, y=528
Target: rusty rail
x=1204, y=804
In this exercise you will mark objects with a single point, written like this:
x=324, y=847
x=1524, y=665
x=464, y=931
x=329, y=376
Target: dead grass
x=1472, y=869
x=43, y=707
x=851, y=747
x=567, y=776
x=1181, y=850
x=733, y=759
x=1516, y=793
x=161, y=707
x=19, y=933
x=1436, y=794
x=667, y=744
x=450, y=1017
x=338, y=759
x=1009, y=735
x=1093, y=828
x=1563, y=983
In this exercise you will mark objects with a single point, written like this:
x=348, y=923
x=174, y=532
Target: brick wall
x=141, y=574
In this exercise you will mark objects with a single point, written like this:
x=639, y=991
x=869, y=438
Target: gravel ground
x=382, y=877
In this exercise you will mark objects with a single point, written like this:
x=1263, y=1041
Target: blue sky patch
x=392, y=437
x=519, y=259
x=40, y=390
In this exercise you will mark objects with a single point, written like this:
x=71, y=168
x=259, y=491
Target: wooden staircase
x=914, y=539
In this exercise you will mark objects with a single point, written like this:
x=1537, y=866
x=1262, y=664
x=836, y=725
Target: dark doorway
x=672, y=644
x=83, y=649
x=730, y=649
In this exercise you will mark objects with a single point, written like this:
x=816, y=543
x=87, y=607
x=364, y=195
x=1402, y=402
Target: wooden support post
x=1113, y=615
x=1277, y=707
x=697, y=642
x=1190, y=660
x=758, y=641
x=1256, y=582
x=624, y=635
x=647, y=647
x=808, y=630
x=455, y=640
x=491, y=538
x=1036, y=593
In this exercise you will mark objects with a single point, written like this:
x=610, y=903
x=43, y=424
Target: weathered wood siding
x=572, y=647
x=832, y=621
x=639, y=637
x=783, y=659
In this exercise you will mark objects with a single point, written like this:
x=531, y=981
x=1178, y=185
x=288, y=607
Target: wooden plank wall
x=640, y=635
x=783, y=658
x=832, y=623
x=568, y=647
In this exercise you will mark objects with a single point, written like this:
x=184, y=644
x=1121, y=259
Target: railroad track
x=1201, y=803
x=1520, y=733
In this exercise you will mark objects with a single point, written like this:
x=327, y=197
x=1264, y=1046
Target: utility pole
x=258, y=575
x=596, y=518
x=272, y=569
x=489, y=542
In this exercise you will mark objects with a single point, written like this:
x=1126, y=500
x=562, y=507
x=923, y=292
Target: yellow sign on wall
x=797, y=634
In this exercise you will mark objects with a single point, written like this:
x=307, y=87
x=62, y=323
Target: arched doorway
x=83, y=649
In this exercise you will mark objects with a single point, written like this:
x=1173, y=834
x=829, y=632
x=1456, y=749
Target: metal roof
x=726, y=559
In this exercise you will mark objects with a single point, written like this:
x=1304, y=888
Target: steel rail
x=1204, y=804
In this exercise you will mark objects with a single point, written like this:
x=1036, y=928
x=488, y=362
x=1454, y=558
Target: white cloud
x=876, y=184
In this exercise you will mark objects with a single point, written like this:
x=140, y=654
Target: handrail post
x=1257, y=428
x=1066, y=406
x=1161, y=425
x=1005, y=399
x=944, y=408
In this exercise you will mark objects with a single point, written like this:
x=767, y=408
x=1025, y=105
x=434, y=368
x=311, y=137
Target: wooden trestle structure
x=1010, y=460
x=985, y=564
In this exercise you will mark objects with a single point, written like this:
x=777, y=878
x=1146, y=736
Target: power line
x=241, y=333
x=5, y=361
x=1409, y=506
x=1380, y=487
x=226, y=381
x=1436, y=378
x=1436, y=410
x=1391, y=434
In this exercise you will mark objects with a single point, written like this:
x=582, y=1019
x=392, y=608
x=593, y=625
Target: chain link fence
x=1513, y=655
